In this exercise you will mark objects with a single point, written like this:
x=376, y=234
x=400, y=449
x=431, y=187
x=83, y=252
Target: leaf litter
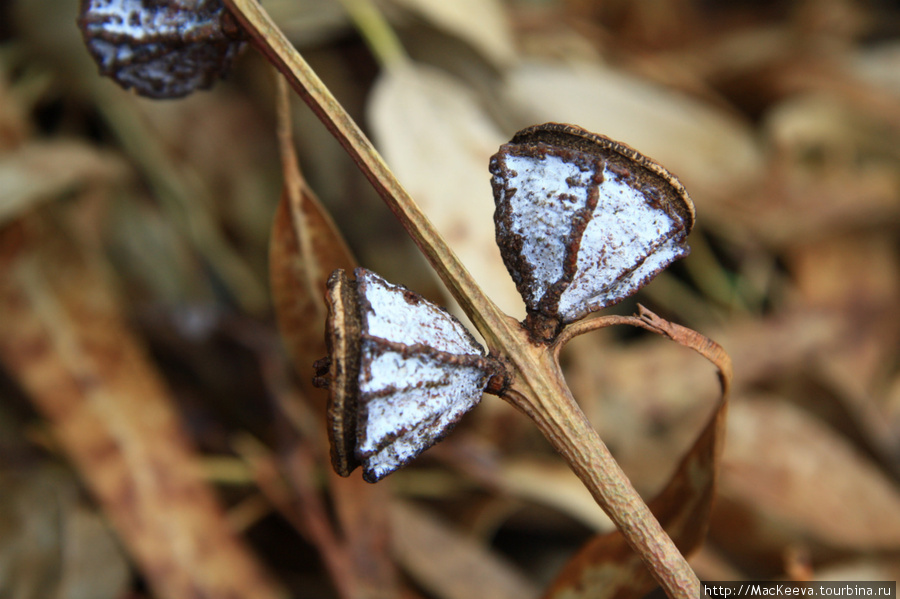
x=782, y=122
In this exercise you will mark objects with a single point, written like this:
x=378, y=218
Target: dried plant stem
x=537, y=388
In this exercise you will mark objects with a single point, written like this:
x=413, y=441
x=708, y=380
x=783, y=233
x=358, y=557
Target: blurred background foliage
x=782, y=119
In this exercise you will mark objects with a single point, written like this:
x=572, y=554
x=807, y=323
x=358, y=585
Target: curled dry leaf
x=438, y=140
x=606, y=566
x=63, y=339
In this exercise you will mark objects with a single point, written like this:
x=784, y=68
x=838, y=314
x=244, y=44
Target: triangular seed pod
x=583, y=221
x=161, y=49
x=402, y=372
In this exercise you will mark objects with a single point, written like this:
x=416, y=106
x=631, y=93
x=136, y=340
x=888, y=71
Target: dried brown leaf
x=64, y=340
x=796, y=473
x=857, y=277
x=449, y=565
x=879, y=65
x=50, y=545
x=886, y=568
x=553, y=484
x=41, y=171
x=305, y=248
x=481, y=23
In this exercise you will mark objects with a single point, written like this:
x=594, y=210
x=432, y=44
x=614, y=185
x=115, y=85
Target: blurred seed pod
x=160, y=48
x=401, y=373
x=583, y=221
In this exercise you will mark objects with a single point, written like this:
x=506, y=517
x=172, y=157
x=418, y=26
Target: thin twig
x=650, y=321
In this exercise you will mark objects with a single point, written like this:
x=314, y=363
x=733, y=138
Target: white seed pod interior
x=409, y=403
x=395, y=313
x=583, y=221
x=402, y=372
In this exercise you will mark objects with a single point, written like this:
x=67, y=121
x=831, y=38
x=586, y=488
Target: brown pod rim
x=575, y=138
x=343, y=336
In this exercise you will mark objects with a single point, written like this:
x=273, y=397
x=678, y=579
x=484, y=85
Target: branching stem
x=538, y=387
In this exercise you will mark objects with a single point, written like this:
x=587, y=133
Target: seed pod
x=160, y=48
x=401, y=373
x=583, y=221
